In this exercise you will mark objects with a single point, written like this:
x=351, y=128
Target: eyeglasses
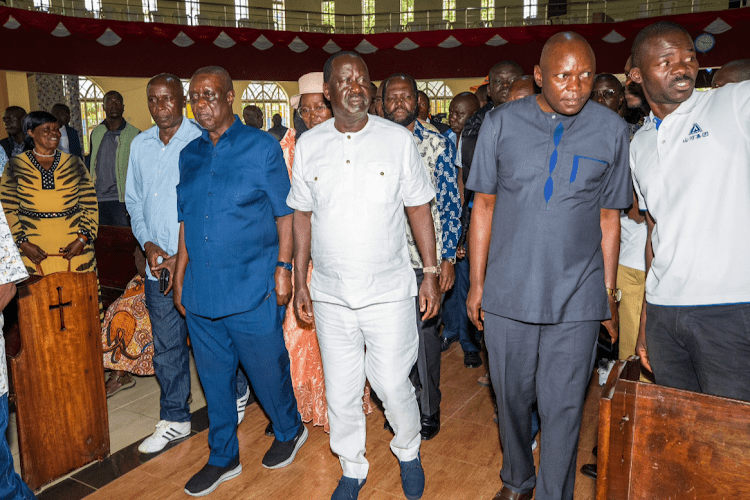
x=318, y=109
x=606, y=94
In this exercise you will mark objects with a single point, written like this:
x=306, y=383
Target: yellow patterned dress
x=49, y=208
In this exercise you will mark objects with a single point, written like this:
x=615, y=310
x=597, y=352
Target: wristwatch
x=616, y=293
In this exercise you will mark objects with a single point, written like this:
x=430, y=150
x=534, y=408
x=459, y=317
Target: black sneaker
x=472, y=359
x=282, y=453
x=210, y=477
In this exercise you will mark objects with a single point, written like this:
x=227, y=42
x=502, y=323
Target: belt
x=49, y=215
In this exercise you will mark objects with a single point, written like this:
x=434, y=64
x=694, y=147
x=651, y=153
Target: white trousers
x=378, y=342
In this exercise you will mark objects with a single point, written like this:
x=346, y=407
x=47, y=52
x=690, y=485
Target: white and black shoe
x=165, y=433
x=211, y=476
x=241, y=405
x=282, y=453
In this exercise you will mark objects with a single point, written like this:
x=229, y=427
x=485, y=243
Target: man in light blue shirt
x=151, y=199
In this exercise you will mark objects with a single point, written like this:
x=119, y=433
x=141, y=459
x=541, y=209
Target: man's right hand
x=153, y=252
x=33, y=252
x=474, y=306
x=303, y=307
x=640, y=349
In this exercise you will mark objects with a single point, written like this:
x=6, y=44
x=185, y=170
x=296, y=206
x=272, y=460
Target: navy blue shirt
x=228, y=198
x=552, y=175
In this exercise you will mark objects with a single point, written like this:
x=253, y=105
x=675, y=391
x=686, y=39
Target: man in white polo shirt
x=691, y=166
x=353, y=179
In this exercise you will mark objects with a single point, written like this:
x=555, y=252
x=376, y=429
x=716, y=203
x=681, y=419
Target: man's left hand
x=447, y=276
x=168, y=264
x=283, y=279
x=612, y=325
x=429, y=296
x=73, y=249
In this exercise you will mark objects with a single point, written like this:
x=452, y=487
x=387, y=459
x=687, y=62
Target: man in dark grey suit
x=553, y=168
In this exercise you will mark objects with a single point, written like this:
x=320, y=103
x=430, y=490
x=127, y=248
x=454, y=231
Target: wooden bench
x=661, y=443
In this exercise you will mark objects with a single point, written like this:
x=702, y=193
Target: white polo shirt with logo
x=693, y=176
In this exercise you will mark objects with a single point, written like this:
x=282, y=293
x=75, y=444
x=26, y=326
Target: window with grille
x=368, y=16
x=192, y=10
x=488, y=10
x=241, y=10
x=91, y=97
x=271, y=99
x=94, y=6
x=439, y=93
x=407, y=12
x=530, y=9
x=328, y=13
x=279, y=14
x=149, y=6
x=449, y=10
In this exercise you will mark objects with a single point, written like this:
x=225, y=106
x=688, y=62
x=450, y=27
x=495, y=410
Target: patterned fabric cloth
x=127, y=340
x=438, y=156
x=305, y=364
x=12, y=270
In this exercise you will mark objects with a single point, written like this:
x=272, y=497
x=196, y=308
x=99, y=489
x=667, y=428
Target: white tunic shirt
x=693, y=176
x=12, y=270
x=356, y=185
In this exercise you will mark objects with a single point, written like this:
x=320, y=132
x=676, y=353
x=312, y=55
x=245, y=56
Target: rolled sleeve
x=483, y=173
x=415, y=186
x=277, y=182
x=300, y=196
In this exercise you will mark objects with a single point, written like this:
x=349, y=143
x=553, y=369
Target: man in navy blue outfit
x=233, y=274
x=550, y=173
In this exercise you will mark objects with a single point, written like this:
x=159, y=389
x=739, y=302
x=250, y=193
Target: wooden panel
x=61, y=406
x=690, y=446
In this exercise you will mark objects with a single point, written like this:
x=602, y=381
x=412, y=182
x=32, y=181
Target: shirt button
x=207, y=217
x=208, y=263
x=212, y=173
x=347, y=162
x=348, y=137
x=209, y=194
x=553, y=117
x=214, y=155
x=206, y=238
x=662, y=141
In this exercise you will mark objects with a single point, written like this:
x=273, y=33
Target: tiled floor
x=462, y=462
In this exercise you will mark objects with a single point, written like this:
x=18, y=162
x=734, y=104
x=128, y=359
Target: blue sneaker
x=348, y=488
x=412, y=478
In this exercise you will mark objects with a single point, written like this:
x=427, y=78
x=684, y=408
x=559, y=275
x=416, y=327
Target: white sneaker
x=241, y=405
x=165, y=432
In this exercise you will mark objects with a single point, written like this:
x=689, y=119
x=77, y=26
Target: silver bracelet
x=82, y=240
x=433, y=270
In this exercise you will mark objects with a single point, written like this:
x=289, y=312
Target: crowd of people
x=318, y=266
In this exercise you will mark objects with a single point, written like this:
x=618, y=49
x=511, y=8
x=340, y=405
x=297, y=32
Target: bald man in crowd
x=253, y=116
x=521, y=87
x=732, y=72
x=556, y=167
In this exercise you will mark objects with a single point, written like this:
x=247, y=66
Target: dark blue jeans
x=455, y=317
x=12, y=486
x=171, y=355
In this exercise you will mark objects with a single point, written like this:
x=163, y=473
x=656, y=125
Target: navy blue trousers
x=455, y=317
x=255, y=339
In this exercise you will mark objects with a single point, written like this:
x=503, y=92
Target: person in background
x=253, y=116
x=481, y=94
x=732, y=72
x=374, y=99
x=16, y=142
x=110, y=152
x=12, y=271
x=278, y=130
x=424, y=113
x=70, y=141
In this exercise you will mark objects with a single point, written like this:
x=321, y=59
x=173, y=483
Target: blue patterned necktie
x=549, y=185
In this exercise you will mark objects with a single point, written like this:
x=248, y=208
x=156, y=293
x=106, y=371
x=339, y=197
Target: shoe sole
x=224, y=477
x=175, y=440
x=289, y=460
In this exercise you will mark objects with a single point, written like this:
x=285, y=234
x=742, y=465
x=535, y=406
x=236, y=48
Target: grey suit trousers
x=426, y=373
x=551, y=364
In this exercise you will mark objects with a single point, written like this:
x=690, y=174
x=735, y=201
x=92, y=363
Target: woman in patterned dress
x=50, y=202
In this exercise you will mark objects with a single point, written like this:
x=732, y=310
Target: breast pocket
x=587, y=173
x=381, y=182
x=321, y=184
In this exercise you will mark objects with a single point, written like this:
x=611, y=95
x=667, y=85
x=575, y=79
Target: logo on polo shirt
x=696, y=132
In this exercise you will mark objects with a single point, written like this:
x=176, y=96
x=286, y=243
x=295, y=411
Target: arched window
x=270, y=98
x=439, y=93
x=92, y=108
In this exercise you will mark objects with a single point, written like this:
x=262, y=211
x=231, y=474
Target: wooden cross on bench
x=60, y=307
